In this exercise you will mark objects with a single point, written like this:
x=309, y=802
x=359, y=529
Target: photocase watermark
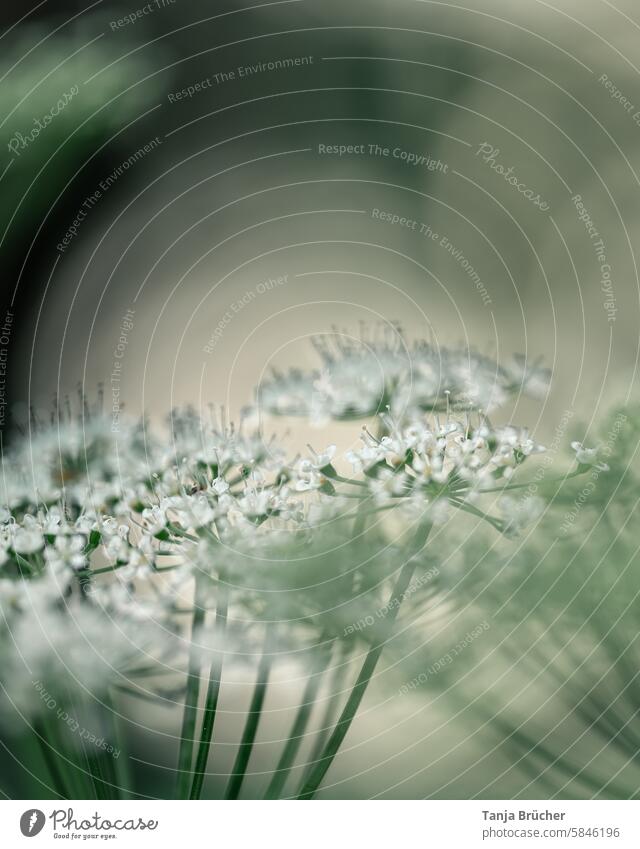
x=446, y=659
x=239, y=73
x=606, y=283
x=65, y=825
x=547, y=458
x=91, y=200
x=115, y=379
x=589, y=488
x=5, y=340
x=417, y=159
x=489, y=155
x=32, y=822
x=381, y=612
x=526, y=507
x=237, y=306
x=75, y=727
x=142, y=12
x=64, y=820
x=444, y=242
x=616, y=94
x=20, y=142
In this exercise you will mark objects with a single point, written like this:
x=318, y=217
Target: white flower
x=155, y=519
x=323, y=459
x=588, y=456
x=219, y=486
x=193, y=511
x=308, y=478
x=255, y=504
x=86, y=523
x=314, y=473
x=287, y=394
x=27, y=540
x=371, y=453
x=518, y=440
x=117, y=549
x=66, y=551
x=388, y=485
x=527, y=377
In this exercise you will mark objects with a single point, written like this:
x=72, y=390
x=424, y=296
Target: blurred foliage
x=551, y=689
x=36, y=70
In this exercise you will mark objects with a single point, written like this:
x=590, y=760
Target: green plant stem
x=111, y=764
x=576, y=473
x=353, y=482
x=301, y=721
x=96, y=765
x=350, y=709
x=213, y=693
x=81, y=776
x=187, y=732
x=50, y=757
x=253, y=718
x=121, y=763
x=496, y=523
x=335, y=686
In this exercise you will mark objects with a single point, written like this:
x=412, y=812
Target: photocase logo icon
x=32, y=822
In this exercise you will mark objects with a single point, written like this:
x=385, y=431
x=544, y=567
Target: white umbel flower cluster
x=359, y=378
x=103, y=536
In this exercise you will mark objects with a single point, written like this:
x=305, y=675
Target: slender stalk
x=114, y=769
x=300, y=722
x=187, y=732
x=498, y=524
x=80, y=774
x=335, y=690
x=340, y=671
x=213, y=693
x=94, y=759
x=353, y=482
x=98, y=769
x=338, y=734
x=50, y=758
x=121, y=763
x=576, y=473
x=253, y=718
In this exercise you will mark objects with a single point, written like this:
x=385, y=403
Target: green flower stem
x=121, y=764
x=213, y=693
x=99, y=772
x=338, y=734
x=576, y=473
x=336, y=683
x=279, y=778
x=111, y=764
x=98, y=764
x=52, y=761
x=469, y=508
x=253, y=718
x=178, y=532
x=187, y=732
x=341, y=479
x=81, y=777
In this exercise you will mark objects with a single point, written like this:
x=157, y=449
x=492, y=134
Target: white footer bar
x=322, y=825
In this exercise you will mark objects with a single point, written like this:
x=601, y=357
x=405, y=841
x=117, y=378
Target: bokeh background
x=217, y=250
